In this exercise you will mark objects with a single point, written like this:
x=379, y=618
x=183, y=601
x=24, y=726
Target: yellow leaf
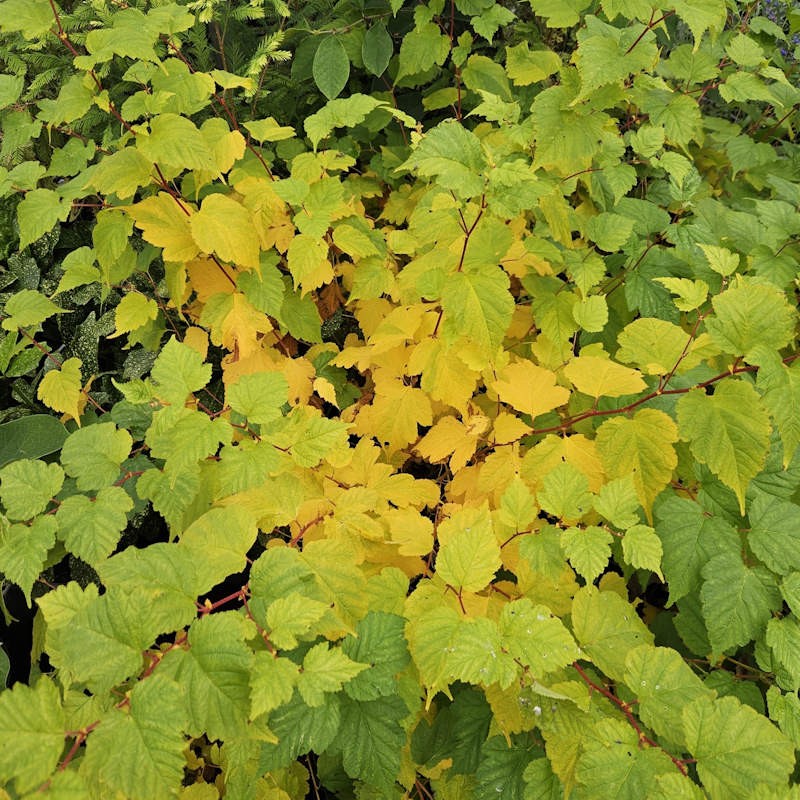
x=643, y=448
x=509, y=428
x=576, y=450
x=165, y=224
x=444, y=376
x=208, y=279
x=411, y=531
x=529, y=388
x=450, y=437
x=234, y=323
x=600, y=377
x=61, y=389
x=225, y=227
x=394, y=415
x=197, y=339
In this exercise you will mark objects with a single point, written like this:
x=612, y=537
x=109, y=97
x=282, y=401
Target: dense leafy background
x=400, y=399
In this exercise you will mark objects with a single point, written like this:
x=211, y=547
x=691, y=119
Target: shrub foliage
x=428, y=398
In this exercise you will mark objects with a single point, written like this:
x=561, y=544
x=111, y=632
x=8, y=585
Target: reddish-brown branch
x=644, y=739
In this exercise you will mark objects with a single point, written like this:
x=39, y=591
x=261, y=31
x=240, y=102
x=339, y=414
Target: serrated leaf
x=780, y=387
x=690, y=294
x=453, y=155
x=783, y=639
x=536, y=638
x=565, y=493
x=642, y=549
x=618, y=502
x=691, y=538
x=93, y=455
x=751, y=316
x=32, y=725
x=215, y=675
x=91, y=528
x=175, y=141
x=134, y=311
x=27, y=308
x=27, y=486
x=24, y=549
x=331, y=67
x=259, y=397
x=61, y=389
x=38, y=212
x=447, y=647
x=378, y=642
x=310, y=437
x=292, y=616
x=559, y=13
x=607, y=628
x=737, y=601
x=325, y=670
x=736, y=748
x=729, y=431
x=225, y=227
x=588, y=550
x=268, y=130
x=165, y=224
x=139, y=753
x=702, y=15
x=664, y=685
x=529, y=388
x=601, y=377
x=469, y=553
x=179, y=370
x=525, y=66
x=272, y=682
x=774, y=534
x=641, y=446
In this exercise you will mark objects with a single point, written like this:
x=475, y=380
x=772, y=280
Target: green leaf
x=774, y=534
x=179, y=370
x=91, y=528
x=478, y=308
x=27, y=308
x=447, y=647
x=642, y=549
x=691, y=538
x=565, y=493
x=702, y=15
x=33, y=436
x=613, y=758
x=422, y=47
x=749, y=316
x=536, y=638
x=331, y=67
x=325, y=670
x=38, y=212
x=525, y=66
x=378, y=642
x=134, y=311
x=176, y=142
x=93, y=455
x=272, y=682
x=453, y=155
x=26, y=487
x=780, y=387
x=559, y=13
x=664, y=685
x=31, y=17
x=502, y=766
x=690, y=294
x=214, y=673
x=736, y=748
x=24, y=549
x=32, y=725
x=138, y=753
x=737, y=601
x=372, y=739
x=10, y=89
x=607, y=628
x=729, y=431
x=469, y=553
x=618, y=503
x=259, y=397
x=588, y=550
x=783, y=639
x=345, y=113
x=292, y=616
x=310, y=437
x=377, y=49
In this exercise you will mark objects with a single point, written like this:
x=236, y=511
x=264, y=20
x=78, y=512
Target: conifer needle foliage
x=428, y=394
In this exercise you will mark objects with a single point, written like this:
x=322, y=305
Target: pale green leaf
x=91, y=527
x=134, y=311
x=268, y=130
x=259, y=397
x=178, y=371
x=93, y=455
x=23, y=551
x=272, y=682
x=291, y=617
x=27, y=308
x=32, y=725
x=780, y=387
x=588, y=550
x=565, y=493
x=469, y=553
x=702, y=15
x=736, y=748
x=225, y=227
x=607, y=628
x=642, y=549
x=27, y=486
x=61, y=389
x=176, y=142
